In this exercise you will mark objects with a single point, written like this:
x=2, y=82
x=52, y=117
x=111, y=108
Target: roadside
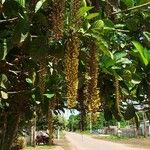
x=85, y=142
x=56, y=146
x=139, y=142
x=63, y=142
x=44, y=148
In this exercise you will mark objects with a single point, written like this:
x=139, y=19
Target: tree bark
x=33, y=132
x=11, y=130
x=82, y=109
x=83, y=120
x=145, y=127
x=50, y=123
x=3, y=130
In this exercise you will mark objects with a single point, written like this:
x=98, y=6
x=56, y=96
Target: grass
x=122, y=139
x=105, y=137
x=39, y=148
x=84, y=132
x=112, y=138
x=140, y=142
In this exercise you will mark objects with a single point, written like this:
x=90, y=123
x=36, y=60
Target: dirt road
x=83, y=142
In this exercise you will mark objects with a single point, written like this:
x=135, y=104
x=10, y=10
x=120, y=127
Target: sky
x=69, y=112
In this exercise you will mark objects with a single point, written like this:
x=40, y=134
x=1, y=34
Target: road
x=84, y=142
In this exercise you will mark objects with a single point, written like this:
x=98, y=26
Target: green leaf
x=39, y=5
x=107, y=62
x=124, y=61
x=119, y=55
x=3, y=49
x=7, y=104
x=33, y=96
x=29, y=80
x=3, y=80
x=49, y=95
x=108, y=23
x=92, y=15
x=84, y=10
x=139, y=2
x=99, y=24
x=140, y=49
x=127, y=75
x=3, y=1
x=136, y=78
x=125, y=91
x=21, y=31
x=119, y=25
x=21, y=2
x=147, y=35
x=147, y=54
x=135, y=81
x=23, y=37
x=104, y=47
x=4, y=95
x=37, y=102
x=128, y=3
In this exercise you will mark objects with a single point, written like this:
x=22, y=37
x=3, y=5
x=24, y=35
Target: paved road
x=83, y=142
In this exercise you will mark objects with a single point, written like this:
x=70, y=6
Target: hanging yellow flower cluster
x=75, y=18
x=72, y=56
x=117, y=96
x=71, y=68
x=91, y=91
x=58, y=8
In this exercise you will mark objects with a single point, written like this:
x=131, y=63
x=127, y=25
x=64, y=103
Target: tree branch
x=118, y=30
x=22, y=91
x=9, y=20
x=132, y=8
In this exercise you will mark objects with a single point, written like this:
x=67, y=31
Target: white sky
x=69, y=112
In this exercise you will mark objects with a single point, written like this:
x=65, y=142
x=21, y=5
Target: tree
x=93, y=38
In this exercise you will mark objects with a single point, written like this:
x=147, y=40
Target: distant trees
x=74, y=122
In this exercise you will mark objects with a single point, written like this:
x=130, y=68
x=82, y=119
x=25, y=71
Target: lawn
x=111, y=138
x=140, y=142
x=40, y=148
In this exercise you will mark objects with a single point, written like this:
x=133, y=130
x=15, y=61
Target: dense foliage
x=89, y=55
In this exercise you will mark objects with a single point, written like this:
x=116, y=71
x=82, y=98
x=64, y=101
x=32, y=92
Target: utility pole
x=145, y=127
x=58, y=133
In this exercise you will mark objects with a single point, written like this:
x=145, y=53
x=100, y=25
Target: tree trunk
x=3, y=130
x=50, y=123
x=148, y=92
x=145, y=127
x=83, y=120
x=11, y=130
x=81, y=101
x=33, y=132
